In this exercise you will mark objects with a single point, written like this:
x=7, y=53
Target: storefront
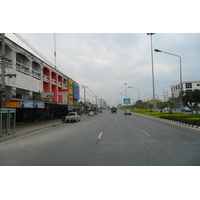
x=26, y=110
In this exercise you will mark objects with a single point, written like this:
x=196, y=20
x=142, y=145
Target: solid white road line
x=145, y=133
x=100, y=135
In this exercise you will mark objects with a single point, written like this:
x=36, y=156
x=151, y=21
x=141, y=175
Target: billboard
x=76, y=94
x=127, y=100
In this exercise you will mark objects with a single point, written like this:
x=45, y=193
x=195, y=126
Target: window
x=18, y=60
x=188, y=85
x=198, y=84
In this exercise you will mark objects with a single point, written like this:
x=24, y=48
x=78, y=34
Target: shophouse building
x=186, y=86
x=35, y=88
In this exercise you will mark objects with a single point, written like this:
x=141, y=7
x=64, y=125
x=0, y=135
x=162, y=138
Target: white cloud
x=104, y=62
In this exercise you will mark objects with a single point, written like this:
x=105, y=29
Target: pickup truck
x=72, y=117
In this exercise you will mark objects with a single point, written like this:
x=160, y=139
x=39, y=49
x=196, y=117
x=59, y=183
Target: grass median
x=193, y=119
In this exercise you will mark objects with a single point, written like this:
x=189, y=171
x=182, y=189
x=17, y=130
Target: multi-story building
x=33, y=87
x=186, y=86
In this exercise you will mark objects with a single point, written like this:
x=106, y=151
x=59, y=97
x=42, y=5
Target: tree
x=161, y=105
x=191, y=99
x=171, y=105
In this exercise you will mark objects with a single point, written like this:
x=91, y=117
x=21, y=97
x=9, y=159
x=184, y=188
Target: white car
x=91, y=113
x=127, y=112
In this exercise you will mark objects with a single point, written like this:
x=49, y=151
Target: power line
x=32, y=48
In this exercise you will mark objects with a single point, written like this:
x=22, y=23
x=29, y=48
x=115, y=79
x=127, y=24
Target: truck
x=113, y=110
x=72, y=117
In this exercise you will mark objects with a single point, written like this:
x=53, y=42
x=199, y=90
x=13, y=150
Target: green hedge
x=194, y=120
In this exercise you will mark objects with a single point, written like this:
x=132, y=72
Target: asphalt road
x=106, y=140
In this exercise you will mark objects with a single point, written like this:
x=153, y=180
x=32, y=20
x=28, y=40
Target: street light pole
x=152, y=71
x=138, y=93
x=125, y=89
x=163, y=91
x=157, y=50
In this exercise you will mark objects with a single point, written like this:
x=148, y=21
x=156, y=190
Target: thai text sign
x=47, y=95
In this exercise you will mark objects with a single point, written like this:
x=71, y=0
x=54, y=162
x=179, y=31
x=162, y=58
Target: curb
x=15, y=135
x=174, y=122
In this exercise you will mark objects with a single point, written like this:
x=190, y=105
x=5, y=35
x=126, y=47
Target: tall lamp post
x=163, y=91
x=150, y=34
x=138, y=93
x=125, y=91
x=157, y=50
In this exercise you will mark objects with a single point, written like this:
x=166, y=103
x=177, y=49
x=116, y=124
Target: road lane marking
x=145, y=133
x=100, y=135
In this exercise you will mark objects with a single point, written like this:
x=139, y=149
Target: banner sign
x=12, y=104
x=47, y=95
x=23, y=104
x=62, y=92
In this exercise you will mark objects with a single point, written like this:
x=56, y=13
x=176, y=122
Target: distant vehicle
x=127, y=112
x=91, y=113
x=186, y=109
x=100, y=111
x=113, y=110
x=166, y=109
x=72, y=117
x=95, y=112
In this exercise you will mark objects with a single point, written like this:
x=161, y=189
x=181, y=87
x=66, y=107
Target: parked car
x=186, y=109
x=72, y=117
x=127, y=112
x=91, y=113
x=95, y=112
x=100, y=111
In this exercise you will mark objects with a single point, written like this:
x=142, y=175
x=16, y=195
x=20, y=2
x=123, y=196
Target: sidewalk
x=29, y=127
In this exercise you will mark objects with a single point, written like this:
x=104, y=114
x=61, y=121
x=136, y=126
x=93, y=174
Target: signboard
x=47, y=95
x=12, y=104
x=76, y=92
x=23, y=104
x=62, y=92
x=127, y=100
x=70, y=90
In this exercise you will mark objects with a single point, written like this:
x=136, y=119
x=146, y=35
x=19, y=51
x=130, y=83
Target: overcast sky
x=105, y=61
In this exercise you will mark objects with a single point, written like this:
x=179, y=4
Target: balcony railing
x=8, y=62
x=59, y=84
x=22, y=68
x=36, y=74
x=45, y=78
x=53, y=81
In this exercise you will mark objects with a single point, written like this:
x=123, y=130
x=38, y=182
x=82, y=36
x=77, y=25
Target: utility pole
x=3, y=71
x=84, y=99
